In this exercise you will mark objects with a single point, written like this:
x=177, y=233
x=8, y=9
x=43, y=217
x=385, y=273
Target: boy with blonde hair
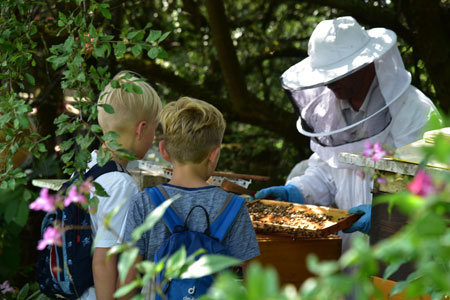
x=135, y=118
x=193, y=132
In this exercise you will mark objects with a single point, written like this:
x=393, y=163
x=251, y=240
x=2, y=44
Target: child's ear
x=163, y=151
x=214, y=154
x=140, y=129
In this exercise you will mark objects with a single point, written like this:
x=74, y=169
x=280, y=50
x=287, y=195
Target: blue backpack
x=66, y=272
x=210, y=240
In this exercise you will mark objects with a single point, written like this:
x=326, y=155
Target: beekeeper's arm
x=316, y=186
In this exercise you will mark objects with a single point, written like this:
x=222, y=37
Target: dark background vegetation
x=232, y=54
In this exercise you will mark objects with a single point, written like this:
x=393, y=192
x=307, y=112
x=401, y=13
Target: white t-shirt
x=120, y=187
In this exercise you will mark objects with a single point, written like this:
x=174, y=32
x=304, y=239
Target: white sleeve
x=317, y=184
x=121, y=188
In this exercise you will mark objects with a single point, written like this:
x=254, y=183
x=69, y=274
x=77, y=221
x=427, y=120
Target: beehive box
x=298, y=220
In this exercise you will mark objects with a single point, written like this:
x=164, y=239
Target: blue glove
x=288, y=192
x=363, y=223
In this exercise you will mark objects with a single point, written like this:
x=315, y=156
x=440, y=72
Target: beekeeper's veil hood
x=338, y=48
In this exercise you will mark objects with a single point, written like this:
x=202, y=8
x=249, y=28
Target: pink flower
x=368, y=151
x=379, y=152
x=6, y=288
x=52, y=236
x=422, y=184
x=86, y=187
x=381, y=180
x=74, y=197
x=361, y=174
x=375, y=151
x=44, y=202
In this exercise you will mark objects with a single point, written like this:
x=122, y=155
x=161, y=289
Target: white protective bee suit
x=393, y=113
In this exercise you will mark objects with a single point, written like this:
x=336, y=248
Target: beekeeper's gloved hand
x=288, y=193
x=363, y=223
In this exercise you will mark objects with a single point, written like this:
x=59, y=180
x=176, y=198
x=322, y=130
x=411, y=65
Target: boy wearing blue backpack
x=135, y=119
x=193, y=132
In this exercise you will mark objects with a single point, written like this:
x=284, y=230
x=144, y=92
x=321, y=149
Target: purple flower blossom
x=6, y=288
x=86, y=187
x=74, y=197
x=381, y=180
x=375, y=151
x=44, y=202
x=422, y=184
x=379, y=152
x=361, y=174
x=368, y=151
x=52, y=236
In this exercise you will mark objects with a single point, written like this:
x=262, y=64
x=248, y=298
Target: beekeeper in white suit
x=352, y=88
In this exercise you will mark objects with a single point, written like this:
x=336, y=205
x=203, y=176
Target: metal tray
x=299, y=220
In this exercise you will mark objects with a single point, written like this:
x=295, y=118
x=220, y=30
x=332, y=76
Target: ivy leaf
x=163, y=37
x=209, y=264
x=108, y=108
x=153, y=35
x=119, y=49
x=30, y=78
x=132, y=34
x=153, y=53
x=115, y=84
x=126, y=289
x=105, y=12
x=152, y=218
x=136, y=50
x=126, y=260
x=99, y=190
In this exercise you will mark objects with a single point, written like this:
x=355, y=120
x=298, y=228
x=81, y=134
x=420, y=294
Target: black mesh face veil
x=320, y=112
x=331, y=122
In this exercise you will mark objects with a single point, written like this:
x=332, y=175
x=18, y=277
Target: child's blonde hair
x=191, y=128
x=129, y=107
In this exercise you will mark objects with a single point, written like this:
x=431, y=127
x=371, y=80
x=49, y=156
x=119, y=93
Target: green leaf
x=153, y=35
x=67, y=156
x=209, y=264
x=175, y=262
x=41, y=148
x=99, y=190
x=132, y=34
x=96, y=128
x=119, y=50
x=163, y=37
x=126, y=260
x=64, y=146
x=115, y=84
x=152, y=218
x=117, y=249
x=392, y=267
x=146, y=267
x=105, y=12
x=11, y=210
x=23, y=292
x=22, y=214
x=321, y=268
x=30, y=78
x=137, y=89
x=153, y=53
x=126, y=289
x=136, y=50
x=162, y=53
x=108, y=108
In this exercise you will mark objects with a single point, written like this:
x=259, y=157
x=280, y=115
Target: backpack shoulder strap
x=158, y=195
x=226, y=216
x=95, y=172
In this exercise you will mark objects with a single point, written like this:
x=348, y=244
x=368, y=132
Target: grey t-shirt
x=240, y=241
